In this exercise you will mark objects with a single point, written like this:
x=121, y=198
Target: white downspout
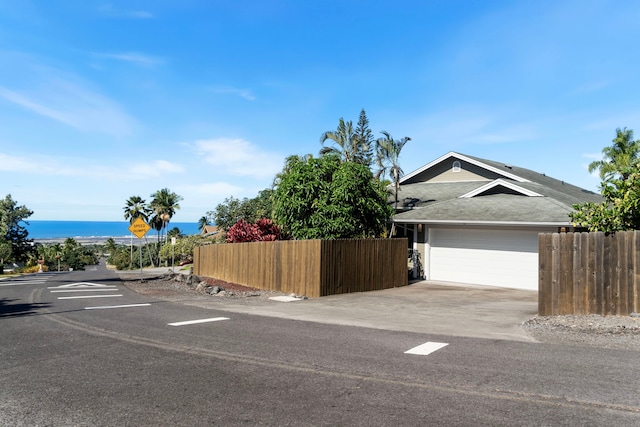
x=427, y=254
x=415, y=251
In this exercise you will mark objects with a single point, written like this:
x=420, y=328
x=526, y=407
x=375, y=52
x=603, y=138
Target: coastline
x=83, y=240
x=94, y=232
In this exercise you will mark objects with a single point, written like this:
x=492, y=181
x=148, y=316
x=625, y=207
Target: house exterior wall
x=463, y=175
x=444, y=173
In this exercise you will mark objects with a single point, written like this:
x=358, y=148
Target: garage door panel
x=487, y=257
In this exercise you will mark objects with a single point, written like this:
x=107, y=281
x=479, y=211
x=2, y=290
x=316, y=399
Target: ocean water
x=41, y=230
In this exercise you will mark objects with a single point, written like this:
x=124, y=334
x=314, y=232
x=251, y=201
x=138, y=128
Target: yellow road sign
x=139, y=228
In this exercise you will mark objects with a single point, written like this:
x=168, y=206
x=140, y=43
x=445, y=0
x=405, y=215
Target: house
x=209, y=231
x=476, y=221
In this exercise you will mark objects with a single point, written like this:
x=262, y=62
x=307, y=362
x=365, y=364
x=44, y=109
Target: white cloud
x=39, y=165
x=107, y=9
x=243, y=93
x=155, y=169
x=135, y=58
x=34, y=106
x=216, y=190
x=47, y=166
x=72, y=104
x=471, y=126
x=10, y=163
x=238, y=157
x=141, y=14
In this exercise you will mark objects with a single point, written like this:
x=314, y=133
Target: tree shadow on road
x=7, y=309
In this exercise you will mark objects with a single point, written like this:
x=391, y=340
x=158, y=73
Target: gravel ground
x=178, y=287
x=619, y=332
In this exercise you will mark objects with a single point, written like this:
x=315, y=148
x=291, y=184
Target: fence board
x=308, y=267
x=545, y=279
x=636, y=273
x=589, y=273
x=580, y=290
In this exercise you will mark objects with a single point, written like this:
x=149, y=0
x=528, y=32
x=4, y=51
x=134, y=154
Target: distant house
x=209, y=231
x=477, y=221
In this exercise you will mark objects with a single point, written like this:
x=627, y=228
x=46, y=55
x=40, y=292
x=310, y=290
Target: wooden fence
x=307, y=267
x=589, y=273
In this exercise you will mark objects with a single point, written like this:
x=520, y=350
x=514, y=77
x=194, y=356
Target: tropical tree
x=12, y=231
x=620, y=188
x=183, y=249
x=231, y=210
x=110, y=245
x=345, y=142
x=620, y=210
x=136, y=208
x=174, y=232
x=164, y=204
x=202, y=223
x=365, y=137
x=5, y=252
x=327, y=198
x=619, y=157
x=387, y=158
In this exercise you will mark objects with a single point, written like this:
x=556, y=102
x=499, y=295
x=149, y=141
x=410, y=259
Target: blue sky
x=103, y=100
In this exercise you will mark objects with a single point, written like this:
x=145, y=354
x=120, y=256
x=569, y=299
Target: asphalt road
x=78, y=348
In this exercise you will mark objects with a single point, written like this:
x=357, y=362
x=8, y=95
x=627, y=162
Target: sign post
x=173, y=245
x=139, y=228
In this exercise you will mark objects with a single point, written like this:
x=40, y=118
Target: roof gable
x=501, y=186
x=443, y=169
x=488, y=192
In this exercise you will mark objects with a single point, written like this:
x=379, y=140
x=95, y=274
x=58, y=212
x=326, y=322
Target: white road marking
x=94, y=288
x=426, y=348
x=23, y=282
x=90, y=296
x=285, y=298
x=100, y=307
x=83, y=290
x=193, y=322
x=82, y=285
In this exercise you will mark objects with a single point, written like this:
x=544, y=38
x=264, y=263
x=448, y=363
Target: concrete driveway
x=426, y=307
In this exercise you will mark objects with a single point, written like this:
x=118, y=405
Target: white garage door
x=485, y=257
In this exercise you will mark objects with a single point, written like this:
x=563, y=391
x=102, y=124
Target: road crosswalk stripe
x=21, y=283
x=82, y=290
x=426, y=348
x=103, y=307
x=193, y=322
x=90, y=296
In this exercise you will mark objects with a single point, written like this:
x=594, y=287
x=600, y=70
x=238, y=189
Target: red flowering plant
x=263, y=230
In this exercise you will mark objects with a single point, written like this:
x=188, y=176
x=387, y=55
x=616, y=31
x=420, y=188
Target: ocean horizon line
x=93, y=230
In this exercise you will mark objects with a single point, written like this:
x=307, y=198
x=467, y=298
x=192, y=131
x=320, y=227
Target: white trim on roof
x=483, y=223
x=466, y=159
x=500, y=183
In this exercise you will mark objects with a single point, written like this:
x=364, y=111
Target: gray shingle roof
x=441, y=202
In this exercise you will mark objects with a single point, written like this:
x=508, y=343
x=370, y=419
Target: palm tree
x=202, y=223
x=619, y=157
x=387, y=157
x=135, y=208
x=346, y=143
x=110, y=245
x=174, y=232
x=164, y=204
